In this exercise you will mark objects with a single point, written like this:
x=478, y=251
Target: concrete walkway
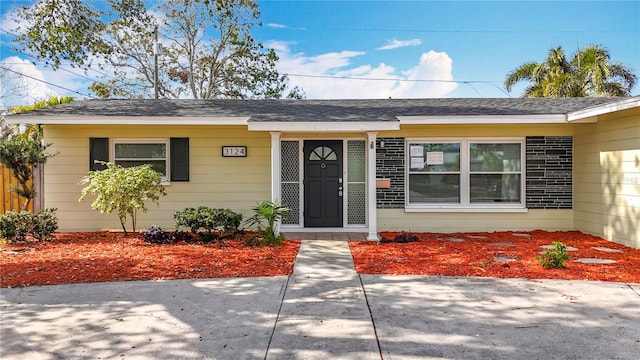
x=323, y=311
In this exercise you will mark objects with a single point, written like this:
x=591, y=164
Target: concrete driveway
x=323, y=311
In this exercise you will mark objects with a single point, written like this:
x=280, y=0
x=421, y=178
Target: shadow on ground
x=180, y=319
x=421, y=317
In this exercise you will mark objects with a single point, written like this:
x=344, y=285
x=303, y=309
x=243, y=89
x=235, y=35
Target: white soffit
x=590, y=115
x=324, y=126
x=125, y=120
x=483, y=119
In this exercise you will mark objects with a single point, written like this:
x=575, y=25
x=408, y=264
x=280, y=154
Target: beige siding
x=607, y=177
x=235, y=183
x=398, y=220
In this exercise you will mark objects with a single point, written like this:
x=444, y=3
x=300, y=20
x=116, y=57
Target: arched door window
x=322, y=153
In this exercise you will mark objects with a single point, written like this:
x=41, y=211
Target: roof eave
x=129, y=120
x=591, y=114
x=323, y=126
x=483, y=119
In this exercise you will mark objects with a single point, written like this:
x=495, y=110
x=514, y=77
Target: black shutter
x=98, y=150
x=179, y=159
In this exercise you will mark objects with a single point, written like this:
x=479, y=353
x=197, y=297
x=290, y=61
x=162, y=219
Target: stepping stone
x=606, y=249
x=476, y=237
x=503, y=259
x=569, y=248
x=504, y=243
x=595, y=261
x=455, y=239
x=526, y=236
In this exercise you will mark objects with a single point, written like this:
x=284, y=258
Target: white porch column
x=372, y=214
x=276, y=164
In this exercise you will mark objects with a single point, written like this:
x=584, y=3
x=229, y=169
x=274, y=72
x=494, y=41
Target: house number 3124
x=234, y=151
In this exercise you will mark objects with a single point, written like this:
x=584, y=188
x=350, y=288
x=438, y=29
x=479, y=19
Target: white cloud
x=395, y=44
x=277, y=26
x=333, y=75
x=9, y=22
x=24, y=83
x=432, y=66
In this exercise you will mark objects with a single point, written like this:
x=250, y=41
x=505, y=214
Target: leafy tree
x=21, y=154
x=589, y=72
x=208, y=48
x=123, y=189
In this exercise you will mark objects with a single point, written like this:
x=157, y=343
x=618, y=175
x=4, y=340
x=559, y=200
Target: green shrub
x=123, y=189
x=44, y=223
x=554, y=258
x=212, y=224
x=16, y=226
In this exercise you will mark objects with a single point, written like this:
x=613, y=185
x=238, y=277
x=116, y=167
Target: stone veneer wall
x=549, y=166
x=549, y=172
x=390, y=165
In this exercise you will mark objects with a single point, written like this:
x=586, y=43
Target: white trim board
x=128, y=120
x=586, y=114
x=324, y=126
x=483, y=119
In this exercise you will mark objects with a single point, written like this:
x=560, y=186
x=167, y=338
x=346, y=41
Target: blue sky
x=471, y=45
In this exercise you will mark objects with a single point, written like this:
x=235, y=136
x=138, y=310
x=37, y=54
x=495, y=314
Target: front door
x=323, y=183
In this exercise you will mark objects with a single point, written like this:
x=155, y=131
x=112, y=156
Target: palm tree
x=589, y=72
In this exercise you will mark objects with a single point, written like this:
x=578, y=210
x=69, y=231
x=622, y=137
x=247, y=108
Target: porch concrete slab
x=177, y=319
x=338, y=236
x=421, y=317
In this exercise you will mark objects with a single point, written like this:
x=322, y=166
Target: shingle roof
x=322, y=110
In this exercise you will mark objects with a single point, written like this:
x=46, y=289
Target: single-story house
x=439, y=165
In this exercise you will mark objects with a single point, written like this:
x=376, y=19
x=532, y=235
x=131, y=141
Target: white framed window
x=465, y=174
x=134, y=152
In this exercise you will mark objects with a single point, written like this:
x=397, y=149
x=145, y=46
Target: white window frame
x=465, y=204
x=112, y=152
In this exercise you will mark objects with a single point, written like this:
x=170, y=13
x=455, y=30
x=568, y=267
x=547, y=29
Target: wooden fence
x=10, y=200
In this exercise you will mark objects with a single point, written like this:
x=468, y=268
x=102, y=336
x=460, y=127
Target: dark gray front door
x=323, y=183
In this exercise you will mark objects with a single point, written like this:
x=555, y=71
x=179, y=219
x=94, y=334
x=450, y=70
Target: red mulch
x=107, y=256
x=435, y=254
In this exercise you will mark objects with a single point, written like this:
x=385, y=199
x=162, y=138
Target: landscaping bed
x=110, y=256
x=499, y=254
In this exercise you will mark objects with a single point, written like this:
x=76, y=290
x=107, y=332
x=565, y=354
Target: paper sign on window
x=435, y=158
x=417, y=150
x=417, y=163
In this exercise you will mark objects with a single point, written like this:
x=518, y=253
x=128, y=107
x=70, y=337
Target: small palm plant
x=269, y=212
